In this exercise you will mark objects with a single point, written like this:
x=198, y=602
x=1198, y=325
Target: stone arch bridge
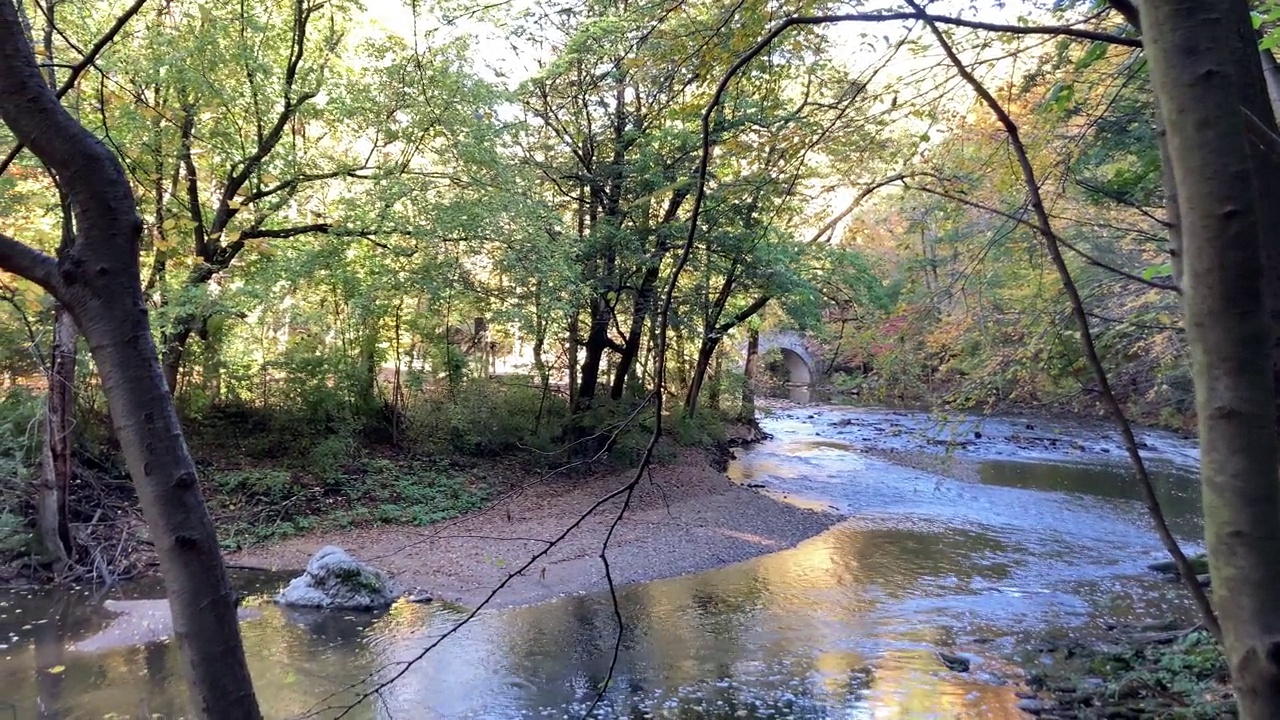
x=802, y=366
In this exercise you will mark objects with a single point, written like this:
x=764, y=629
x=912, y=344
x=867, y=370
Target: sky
x=397, y=17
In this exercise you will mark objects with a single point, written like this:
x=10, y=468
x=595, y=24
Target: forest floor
x=685, y=516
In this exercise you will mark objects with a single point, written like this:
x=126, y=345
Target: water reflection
x=1177, y=490
x=845, y=625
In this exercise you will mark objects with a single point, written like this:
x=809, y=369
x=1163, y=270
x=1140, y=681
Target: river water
x=1037, y=528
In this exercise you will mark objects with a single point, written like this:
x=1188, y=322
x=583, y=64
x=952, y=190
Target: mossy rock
x=336, y=581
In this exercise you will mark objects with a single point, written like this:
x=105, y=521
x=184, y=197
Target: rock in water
x=954, y=663
x=336, y=581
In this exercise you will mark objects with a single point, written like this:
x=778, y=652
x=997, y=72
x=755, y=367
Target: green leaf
x=1060, y=97
x=1154, y=271
x=1096, y=52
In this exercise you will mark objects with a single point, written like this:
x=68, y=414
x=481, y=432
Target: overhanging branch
x=27, y=262
x=1036, y=227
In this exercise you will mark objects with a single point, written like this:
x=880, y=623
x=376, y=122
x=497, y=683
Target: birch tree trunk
x=1190, y=46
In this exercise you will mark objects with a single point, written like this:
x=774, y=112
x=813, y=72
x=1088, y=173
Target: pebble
x=1035, y=707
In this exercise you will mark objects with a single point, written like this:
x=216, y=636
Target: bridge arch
x=800, y=364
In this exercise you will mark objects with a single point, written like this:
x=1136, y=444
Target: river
x=965, y=534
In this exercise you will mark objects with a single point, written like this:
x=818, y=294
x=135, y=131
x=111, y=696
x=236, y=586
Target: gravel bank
x=686, y=517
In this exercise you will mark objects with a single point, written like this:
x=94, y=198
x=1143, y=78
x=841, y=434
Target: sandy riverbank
x=685, y=517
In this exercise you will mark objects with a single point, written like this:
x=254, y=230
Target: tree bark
x=593, y=354
x=57, y=466
x=747, y=409
x=1172, y=217
x=52, y=521
x=630, y=352
x=1271, y=73
x=706, y=349
x=98, y=283
x=711, y=337
x=1191, y=46
x=1253, y=96
x=175, y=346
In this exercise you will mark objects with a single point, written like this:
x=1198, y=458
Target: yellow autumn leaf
x=234, y=204
x=57, y=669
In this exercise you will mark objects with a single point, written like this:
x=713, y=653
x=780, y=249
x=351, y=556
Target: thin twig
x=613, y=595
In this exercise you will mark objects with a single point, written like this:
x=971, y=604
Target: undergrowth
x=260, y=505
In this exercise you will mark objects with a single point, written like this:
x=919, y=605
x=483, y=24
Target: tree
x=97, y=281
x=56, y=461
x=1198, y=81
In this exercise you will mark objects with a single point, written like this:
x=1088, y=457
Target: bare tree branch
x=236, y=178
x=613, y=596
x=830, y=226
x=1058, y=238
x=1260, y=134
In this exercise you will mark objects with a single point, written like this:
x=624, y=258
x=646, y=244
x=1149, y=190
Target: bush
x=483, y=417
x=20, y=412
x=704, y=428
x=15, y=537
x=266, y=485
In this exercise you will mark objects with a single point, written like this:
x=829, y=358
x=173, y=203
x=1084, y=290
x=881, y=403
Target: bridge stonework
x=800, y=362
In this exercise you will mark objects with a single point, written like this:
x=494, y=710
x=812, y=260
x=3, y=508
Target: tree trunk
x=706, y=350
x=57, y=462
x=1252, y=94
x=1190, y=45
x=717, y=373
x=98, y=282
x=52, y=522
x=175, y=346
x=747, y=410
x=712, y=334
x=631, y=345
x=571, y=357
x=1271, y=73
x=597, y=343
x=115, y=326
x=540, y=367
x=1172, y=218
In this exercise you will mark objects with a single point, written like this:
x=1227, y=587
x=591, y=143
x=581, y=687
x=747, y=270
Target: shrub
x=482, y=417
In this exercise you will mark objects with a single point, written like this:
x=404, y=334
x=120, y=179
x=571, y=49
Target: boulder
x=336, y=581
